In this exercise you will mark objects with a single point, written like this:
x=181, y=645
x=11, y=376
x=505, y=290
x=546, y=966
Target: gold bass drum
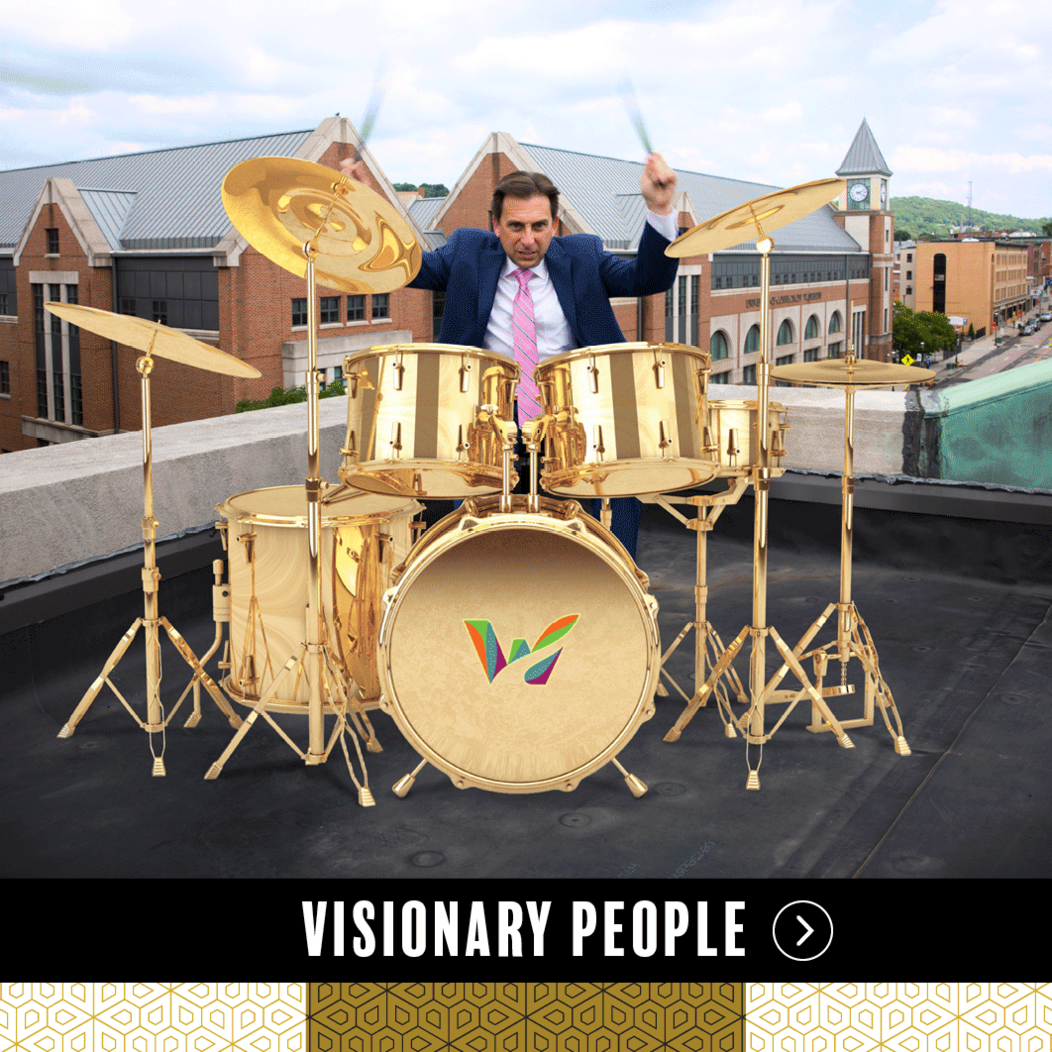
x=362, y=538
x=519, y=652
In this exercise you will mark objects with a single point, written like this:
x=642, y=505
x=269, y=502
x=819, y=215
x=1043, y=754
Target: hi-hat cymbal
x=851, y=372
x=360, y=241
x=756, y=218
x=153, y=338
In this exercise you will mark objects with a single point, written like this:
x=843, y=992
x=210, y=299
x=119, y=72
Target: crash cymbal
x=361, y=241
x=756, y=218
x=851, y=372
x=153, y=338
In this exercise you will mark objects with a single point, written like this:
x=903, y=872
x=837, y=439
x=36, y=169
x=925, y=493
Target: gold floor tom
x=626, y=419
x=732, y=435
x=362, y=538
x=421, y=420
x=519, y=652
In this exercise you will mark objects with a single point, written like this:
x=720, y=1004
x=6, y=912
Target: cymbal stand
x=151, y=620
x=853, y=637
x=708, y=647
x=761, y=691
x=315, y=656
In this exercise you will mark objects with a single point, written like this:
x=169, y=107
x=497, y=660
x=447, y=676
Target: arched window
x=718, y=346
x=835, y=322
x=752, y=340
x=785, y=332
x=811, y=331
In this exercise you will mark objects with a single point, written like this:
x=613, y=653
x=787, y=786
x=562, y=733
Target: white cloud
x=786, y=113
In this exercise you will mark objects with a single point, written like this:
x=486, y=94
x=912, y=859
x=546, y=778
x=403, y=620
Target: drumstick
x=628, y=96
x=375, y=98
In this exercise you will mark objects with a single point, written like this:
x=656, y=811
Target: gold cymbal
x=361, y=243
x=153, y=338
x=851, y=372
x=754, y=219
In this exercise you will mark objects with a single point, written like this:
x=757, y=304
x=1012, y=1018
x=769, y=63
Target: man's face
x=525, y=229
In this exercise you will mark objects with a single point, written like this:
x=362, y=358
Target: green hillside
x=926, y=215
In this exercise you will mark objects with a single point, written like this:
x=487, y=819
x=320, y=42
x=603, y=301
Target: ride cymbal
x=851, y=372
x=756, y=218
x=153, y=338
x=359, y=241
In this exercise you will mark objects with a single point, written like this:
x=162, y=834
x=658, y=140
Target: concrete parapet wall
x=61, y=506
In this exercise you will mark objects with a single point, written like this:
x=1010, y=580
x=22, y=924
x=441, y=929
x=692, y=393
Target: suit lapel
x=560, y=270
x=490, y=265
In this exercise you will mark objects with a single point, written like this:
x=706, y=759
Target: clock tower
x=865, y=215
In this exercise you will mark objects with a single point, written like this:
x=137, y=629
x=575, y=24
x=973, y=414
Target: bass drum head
x=467, y=644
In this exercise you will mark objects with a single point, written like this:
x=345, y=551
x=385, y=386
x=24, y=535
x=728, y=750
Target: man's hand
x=355, y=169
x=657, y=185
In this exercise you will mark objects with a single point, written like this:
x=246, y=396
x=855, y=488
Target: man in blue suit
x=571, y=286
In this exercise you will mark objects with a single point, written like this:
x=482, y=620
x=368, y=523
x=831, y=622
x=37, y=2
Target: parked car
x=1046, y=315
x=1028, y=330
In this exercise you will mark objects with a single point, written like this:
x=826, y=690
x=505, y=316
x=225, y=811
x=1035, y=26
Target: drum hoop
x=393, y=598
x=452, y=349
x=300, y=522
x=605, y=349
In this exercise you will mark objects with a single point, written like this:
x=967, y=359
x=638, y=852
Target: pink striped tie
x=524, y=336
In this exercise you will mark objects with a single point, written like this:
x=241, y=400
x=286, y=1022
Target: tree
x=1046, y=228
x=280, y=396
x=430, y=189
x=910, y=329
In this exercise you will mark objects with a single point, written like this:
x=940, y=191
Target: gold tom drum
x=519, y=652
x=362, y=538
x=627, y=419
x=421, y=420
x=732, y=435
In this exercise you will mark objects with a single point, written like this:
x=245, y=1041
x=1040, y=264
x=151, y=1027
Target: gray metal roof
x=864, y=156
x=177, y=191
x=110, y=209
x=605, y=192
x=422, y=210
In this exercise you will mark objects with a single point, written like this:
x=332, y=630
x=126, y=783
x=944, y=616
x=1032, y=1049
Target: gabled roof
x=177, y=191
x=422, y=210
x=605, y=193
x=864, y=156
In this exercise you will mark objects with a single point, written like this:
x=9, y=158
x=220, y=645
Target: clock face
x=859, y=191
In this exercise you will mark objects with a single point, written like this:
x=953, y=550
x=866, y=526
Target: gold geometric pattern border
x=153, y=1017
x=526, y=1017
x=898, y=1017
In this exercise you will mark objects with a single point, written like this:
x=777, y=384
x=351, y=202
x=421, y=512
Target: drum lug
x=570, y=786
x=396, y=439
x=467, y=523
x=659, y=370
x=465, y=369
x=593, y=371
x=664, y=439
x=649, y=709
x=399, y=370
x=597, y=440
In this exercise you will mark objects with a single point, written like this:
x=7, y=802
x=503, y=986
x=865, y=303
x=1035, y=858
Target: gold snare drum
x=362, y=538
x=732, y=435
x=628, y=419
x=519, y=652
x=416, y=422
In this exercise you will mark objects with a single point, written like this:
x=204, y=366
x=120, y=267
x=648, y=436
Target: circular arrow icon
x=802, y=930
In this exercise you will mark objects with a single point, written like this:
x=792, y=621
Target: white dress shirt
x=553, y=333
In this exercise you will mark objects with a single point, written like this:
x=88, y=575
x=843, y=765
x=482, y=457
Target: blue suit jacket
x=584, y=276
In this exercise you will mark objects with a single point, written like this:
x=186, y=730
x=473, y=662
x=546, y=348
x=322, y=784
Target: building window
x=909, y=257
x=909, y=290
x=721, y=378
x=128, y=306
x=356, y=308
x=785, y=333
x=811, y=331
x=909, y=275
x=786, y=359
x=811, y=355
x=329, y=313
x=5, y=378
x=4, y=304
x=749, y=374
x=668, y=303
x=834, y=322
x=834, y=350
x=52, y=241
x=381, y=306
x=299, y=312
x=718, y=346
x=159, y=312
x=752, y=340
x=337, y=373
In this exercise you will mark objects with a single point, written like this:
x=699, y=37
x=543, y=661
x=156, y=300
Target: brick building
x=146, y=234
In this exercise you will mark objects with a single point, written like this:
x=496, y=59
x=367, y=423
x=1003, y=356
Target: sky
x=768, y=91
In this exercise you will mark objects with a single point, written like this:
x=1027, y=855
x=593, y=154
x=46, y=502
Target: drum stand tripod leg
x=405, y=783
x=151, y=619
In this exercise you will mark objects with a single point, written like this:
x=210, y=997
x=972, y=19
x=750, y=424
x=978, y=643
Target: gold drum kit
x=481, y=636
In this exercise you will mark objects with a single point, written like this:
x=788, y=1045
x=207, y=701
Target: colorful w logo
x=492, y=657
